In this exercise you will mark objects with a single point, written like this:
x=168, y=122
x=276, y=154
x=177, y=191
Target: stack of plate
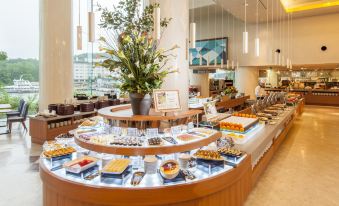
x=87, y=107
x=113, y=102
x=101, y=104
x=65, y=109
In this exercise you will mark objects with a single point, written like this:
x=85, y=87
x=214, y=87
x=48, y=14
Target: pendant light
x=215, y=34
x=222, y=35
x=235, y=45
x=199, y=50
x=157, y=26
x=228, y=29
x=79, y=32
x=91, y=24
x=245, y=33
x=192, y=30
x=288, y=42
x=257, y=40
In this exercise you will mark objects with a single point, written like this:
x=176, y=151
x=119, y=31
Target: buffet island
x=161, y=159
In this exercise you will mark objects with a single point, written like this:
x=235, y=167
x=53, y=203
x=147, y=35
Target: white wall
x=309, y=34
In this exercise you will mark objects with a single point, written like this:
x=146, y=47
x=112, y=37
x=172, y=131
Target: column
x=56, y=61
x=272, y=77
x=177, y=34
x=246, y=79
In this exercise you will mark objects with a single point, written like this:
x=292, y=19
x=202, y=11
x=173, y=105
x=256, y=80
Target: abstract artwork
x=209, y=50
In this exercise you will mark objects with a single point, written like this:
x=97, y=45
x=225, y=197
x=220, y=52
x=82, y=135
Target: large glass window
x=19, y=52
x=88, y=78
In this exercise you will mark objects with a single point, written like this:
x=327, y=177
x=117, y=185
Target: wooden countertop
x=58, y=117
x=124, y=112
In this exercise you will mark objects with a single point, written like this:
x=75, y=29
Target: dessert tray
x=238, y=124
x=163, y=143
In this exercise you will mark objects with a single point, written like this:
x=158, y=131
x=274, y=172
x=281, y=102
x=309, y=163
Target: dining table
x=5, y=108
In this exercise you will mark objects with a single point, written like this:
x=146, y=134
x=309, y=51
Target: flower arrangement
x=135, y=55
x=230, y=90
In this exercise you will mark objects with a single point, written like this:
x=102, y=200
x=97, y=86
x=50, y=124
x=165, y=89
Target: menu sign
x=133, y=132
x=152, y=132
x=166, y=100
x=210, y=110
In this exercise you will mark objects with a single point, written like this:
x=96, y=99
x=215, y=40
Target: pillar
x=56, y=58
x=177, y=34
x=272, y=77
x=246, y=79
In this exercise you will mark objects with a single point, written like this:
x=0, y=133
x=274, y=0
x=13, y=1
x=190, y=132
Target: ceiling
x=273, y=8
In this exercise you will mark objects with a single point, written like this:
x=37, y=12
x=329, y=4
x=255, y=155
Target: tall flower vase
x=141, y=103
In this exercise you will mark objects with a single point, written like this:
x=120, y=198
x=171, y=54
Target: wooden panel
x=232, y=103
x=234, y=184
x=262, y=165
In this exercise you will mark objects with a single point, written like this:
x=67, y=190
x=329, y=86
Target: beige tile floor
x=305, y=171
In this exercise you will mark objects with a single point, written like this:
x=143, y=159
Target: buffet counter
x=260, y=139
x=322, y=97
x=214, y=173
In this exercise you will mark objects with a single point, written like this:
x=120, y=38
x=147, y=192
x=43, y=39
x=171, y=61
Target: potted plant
x=230, y=92
x=133, y=53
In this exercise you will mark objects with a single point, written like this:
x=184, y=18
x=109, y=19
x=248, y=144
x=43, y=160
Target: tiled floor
x=305, y=171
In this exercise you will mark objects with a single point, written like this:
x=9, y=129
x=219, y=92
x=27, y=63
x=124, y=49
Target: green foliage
x=3, y=56
x=126, y=17
x=141, y=65
x=14, y=68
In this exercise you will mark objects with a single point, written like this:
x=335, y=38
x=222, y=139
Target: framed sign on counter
x=166, y=100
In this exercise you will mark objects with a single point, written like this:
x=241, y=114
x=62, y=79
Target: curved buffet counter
x=224, y=182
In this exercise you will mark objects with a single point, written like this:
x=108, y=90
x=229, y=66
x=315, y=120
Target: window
x=19, y=52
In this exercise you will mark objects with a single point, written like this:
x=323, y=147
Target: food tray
x=125, y=173
x=115, y=173
x=67, y=156
x=69, y=168
x=84, y=173
x=215, y=166
x=116, y=178
x=247, y=123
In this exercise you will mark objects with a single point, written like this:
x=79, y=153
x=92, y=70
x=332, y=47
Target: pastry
x=59, y=152
x=208, y=155
x=230, y=152
x=116, y=166
x=154, y=141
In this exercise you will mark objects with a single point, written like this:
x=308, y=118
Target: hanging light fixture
x=245, y=33
x=79, y=32
x=228, y=29
x=192, y=29
x=257, y=40
x=91, y=24
x=156, y=21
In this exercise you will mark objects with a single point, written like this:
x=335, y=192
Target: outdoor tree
x=3, y=56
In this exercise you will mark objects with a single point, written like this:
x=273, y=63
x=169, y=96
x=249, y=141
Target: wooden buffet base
x=39, y=131
x=227, y=189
